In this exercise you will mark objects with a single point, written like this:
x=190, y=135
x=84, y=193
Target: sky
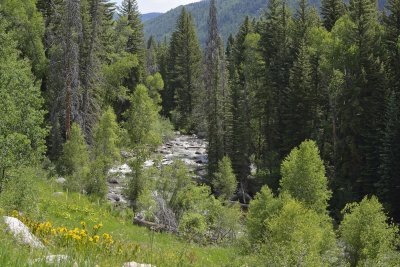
x=147, y=6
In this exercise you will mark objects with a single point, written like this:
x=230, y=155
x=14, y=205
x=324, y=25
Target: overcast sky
x=147, y=6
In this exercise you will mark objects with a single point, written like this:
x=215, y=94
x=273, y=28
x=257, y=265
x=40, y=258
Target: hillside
x=148, y=16
x=231, y=15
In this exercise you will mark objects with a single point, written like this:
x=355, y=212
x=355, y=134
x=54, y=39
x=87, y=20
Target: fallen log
x=154, y=226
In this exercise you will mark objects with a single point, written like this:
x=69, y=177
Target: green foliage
x=184, y=72
x=114, y=76
x=21, y=129
x=263, y=207
x=133, y=31
x=303, y=177
x=193, y=226
x=369, y=238
x=155, y=84
x=137, y=180
x=75, y=159
x=26, y=26
x=224, y=181
x=142, y=119
x=299, y=236
x=19, y=191
x=106, y=140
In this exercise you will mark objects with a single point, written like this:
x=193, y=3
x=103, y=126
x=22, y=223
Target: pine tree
x=389, y=182
x=185, y=70
x=135, y=40
x=216, y=88
x=298, y=113
x=392, y=30
x=362, y=102
x=241, y=129
x=93, y=21
x=331, y=11
x=275, y=48
x=72, y=33
x=151, y=56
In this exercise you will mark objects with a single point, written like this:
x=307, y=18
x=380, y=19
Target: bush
x=264, y=206
x=75, y=160
x=19, y=191
x=224, y=181
x=370, y=240
x=193, y=227
x=298, y=236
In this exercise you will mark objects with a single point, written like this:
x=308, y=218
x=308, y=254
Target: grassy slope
x=69, y=210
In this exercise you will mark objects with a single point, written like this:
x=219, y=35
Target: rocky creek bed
x=190, y=149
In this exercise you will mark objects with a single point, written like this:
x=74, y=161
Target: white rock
x=61, y=180
x=135, y=264
x=22, y=233
x=52, y=259
x=149, y=164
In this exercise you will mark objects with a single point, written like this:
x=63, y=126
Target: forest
x=299, y=108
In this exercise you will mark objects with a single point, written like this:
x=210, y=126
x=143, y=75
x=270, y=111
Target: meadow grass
x=69, y=209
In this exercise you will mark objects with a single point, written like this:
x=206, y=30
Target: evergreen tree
x=362, y=101
x=298, y=112
x=72, y=32
x=135, y=40
x=151, y=56
x=331, y=11
x=185, y=70
x=303, y=177
x=241, y=129
x=275, y=45
x=389, y=182
x=215, y=85
x=392, y=33
x=94, y=21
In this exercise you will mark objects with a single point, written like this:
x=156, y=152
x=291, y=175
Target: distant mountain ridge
x=149, y=16
x=231, y=14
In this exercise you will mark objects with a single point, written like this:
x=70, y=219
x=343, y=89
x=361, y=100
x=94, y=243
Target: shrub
x=264, y=206
x=224, y=181
x=303, y=176
x=19, y=191
x=193, y=226
x=370, y=240
x=75, y=159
